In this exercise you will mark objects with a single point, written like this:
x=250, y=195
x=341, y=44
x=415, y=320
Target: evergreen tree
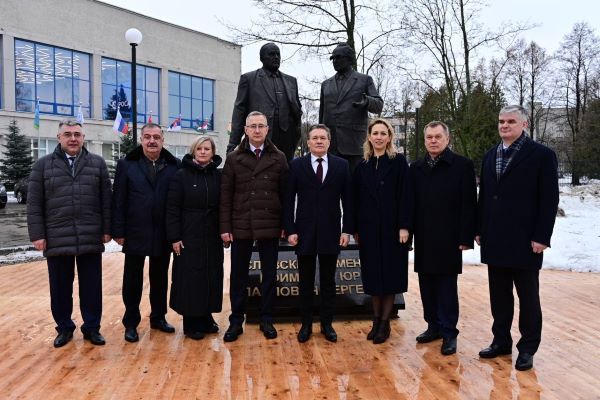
x=16, y=159
x=127, y=144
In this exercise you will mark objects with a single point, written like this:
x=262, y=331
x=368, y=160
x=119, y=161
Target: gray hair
x=435, y=124
x=152, y=125
x=69, y=122
x=256, y=114
x=515, y=108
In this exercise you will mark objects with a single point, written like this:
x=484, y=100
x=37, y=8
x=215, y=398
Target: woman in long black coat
x=383, y=206
x=193, y=229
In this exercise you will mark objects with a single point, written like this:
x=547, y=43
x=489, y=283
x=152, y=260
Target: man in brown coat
x=251, y=192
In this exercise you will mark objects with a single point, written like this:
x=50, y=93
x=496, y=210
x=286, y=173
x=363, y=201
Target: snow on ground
x=575, y=242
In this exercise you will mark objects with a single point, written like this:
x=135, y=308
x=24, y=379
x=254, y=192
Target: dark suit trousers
x=133, y=284
x=439, y=295
x=61, y=272
x=306, y=271
x=241, y=252
x=282, y=140
x=527, y=283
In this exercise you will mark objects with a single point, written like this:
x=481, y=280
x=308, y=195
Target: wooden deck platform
x=163, y=366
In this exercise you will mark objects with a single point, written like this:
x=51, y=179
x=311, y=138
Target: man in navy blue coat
x=518, y=200
x=320, y=181
x=138, y=224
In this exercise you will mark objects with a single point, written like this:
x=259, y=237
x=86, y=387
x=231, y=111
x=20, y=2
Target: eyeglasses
x=255, y=127
x=69, y=135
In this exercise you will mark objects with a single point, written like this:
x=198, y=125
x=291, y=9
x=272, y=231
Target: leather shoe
x=195, y=335
x=428, y=336
x=131, y=335
x=268, y=329
x=162, y=325
x=524, y=362
x=329, y=333
x=373, y=331
x=209, y=325
x=383, y=332
x=305, y=332
x=95, y=338
x=448, y=346
x=494, y=351
x=63, y=338
x=232, y=333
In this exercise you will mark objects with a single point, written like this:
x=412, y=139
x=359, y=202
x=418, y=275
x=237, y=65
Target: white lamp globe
x=133, y=36
x=416, y=104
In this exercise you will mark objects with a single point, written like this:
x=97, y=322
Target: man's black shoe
x=131, y=335
x=232, y=333
x=95, y=337
x=63, y=338
x=494, y=351
x=305, y=332
x=162, y=325
x=209, y=325
x=329, y=333
x=428, y=336
x=195, y=335
x=448, y=346
x=268, y=329
x=524, y=362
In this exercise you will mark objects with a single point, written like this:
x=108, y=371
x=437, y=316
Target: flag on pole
x=175, y=125
x=119, y=125
x=204, y=124
x=36, y=118
x=150, y=118
x=80, y=118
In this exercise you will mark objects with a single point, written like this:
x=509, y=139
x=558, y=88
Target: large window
x=59, y=78
x=43, y=147
x=116, y=90
x=192, y=98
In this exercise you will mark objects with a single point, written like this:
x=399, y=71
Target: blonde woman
x=383, y=206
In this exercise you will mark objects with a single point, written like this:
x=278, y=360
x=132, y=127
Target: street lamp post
x=416, y=104
x=134, y=38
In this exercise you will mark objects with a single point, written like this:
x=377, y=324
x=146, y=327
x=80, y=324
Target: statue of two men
x=346, y=99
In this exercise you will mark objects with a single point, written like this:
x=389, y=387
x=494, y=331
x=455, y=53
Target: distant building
x=72, y=53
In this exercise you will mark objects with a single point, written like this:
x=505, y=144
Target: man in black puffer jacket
x=138, y=224
x=68, y=217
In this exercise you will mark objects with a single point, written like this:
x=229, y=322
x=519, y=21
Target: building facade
x=71, y=55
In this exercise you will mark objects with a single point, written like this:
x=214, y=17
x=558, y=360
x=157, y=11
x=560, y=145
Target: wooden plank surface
x=170, y=366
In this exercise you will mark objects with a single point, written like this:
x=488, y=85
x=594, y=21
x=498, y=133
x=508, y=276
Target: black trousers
x=61, y=273
x=241, y=252
x=306, y=271
x=439, y=295
x=526, y=281
x=133, y=284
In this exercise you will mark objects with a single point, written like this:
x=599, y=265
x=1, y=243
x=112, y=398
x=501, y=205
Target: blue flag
x=36, y=118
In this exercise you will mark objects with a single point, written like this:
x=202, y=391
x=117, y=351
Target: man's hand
x=403, y=235
x=230, y=148
x=40, y=244
x=227, y=238
x=177, y=246
x=106, y=238
x=538, y=248
x=344, y=239
x=120, y=241
x=293, y=240
x=478, y=240
x=362, y=103
x=462, y=247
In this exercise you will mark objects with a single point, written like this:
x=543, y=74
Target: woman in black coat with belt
x=383, y=202
x=193, y=229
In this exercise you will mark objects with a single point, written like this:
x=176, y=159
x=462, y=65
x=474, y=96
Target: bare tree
x=578, y=56
x=313, y=27
x=450, y=33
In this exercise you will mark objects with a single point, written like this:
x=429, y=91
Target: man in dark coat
x=320, y=181
x=274, y=94
x=138, y=224
x=346, y=100
x=68, y=217
x=444, y=226
x=252, y=185
x=518, y=200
